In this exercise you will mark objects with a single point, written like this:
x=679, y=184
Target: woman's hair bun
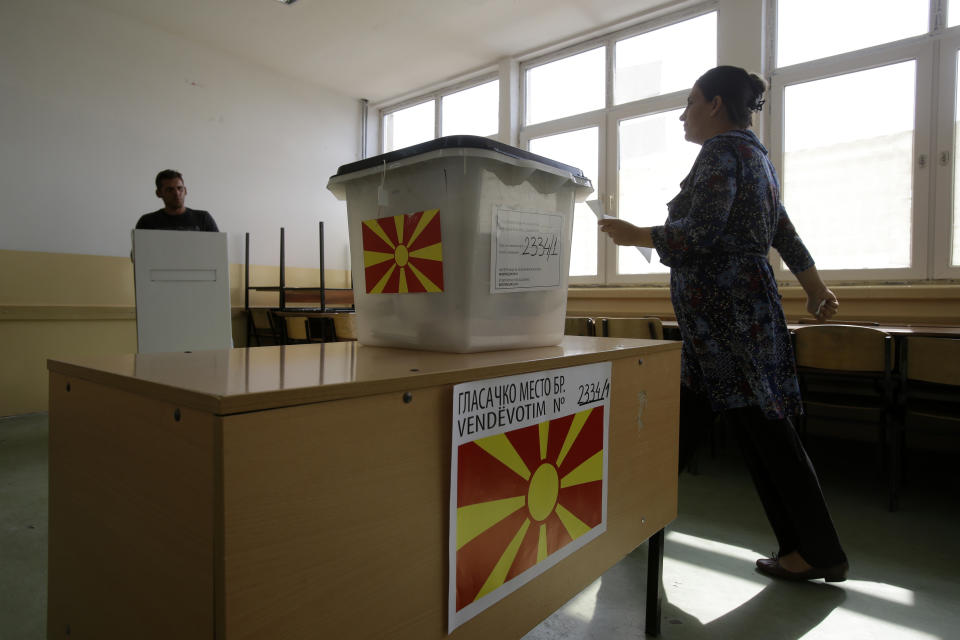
x=758, y=87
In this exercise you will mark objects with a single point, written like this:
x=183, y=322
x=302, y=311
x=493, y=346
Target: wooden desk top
x=313, y=312
x=928, y=331
x=925, y=330
x=236, y=380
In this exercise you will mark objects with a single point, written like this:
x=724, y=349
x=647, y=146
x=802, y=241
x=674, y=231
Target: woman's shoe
x=772, y=567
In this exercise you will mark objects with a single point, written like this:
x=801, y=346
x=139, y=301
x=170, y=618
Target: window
x=868, y=175
x=566, y=87
x=848, y=171
x=877, y=22
x=861, y=120
x=638, y=169
x=471, y=110
x=654, y=158
x=408, y=126
x=579, y=149
x=664, y=60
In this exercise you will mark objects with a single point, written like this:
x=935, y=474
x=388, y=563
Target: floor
x=903, y=583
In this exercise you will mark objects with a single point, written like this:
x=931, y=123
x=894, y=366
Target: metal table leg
x=654, y=584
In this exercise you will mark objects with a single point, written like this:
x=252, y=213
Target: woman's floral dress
x=719, y=229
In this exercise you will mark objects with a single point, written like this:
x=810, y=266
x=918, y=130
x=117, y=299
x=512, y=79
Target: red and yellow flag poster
x=529, y=479
x=403, y=254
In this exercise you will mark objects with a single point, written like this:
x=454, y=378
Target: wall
x=93, y=106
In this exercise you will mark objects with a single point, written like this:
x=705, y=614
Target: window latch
x=944, y=158
x=922, y=161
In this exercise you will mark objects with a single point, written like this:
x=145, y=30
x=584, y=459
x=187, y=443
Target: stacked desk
x=303, y=491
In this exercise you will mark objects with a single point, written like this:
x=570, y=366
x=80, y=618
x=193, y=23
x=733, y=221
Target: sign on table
x=528, y=479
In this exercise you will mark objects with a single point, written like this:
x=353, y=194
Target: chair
x=303, y=329
x=649, y=327
x=296, y=330
x=261, y=326
x=321, y=329
x=846, y=377
x=345, y=326
x=579, y=326
x=929, y=398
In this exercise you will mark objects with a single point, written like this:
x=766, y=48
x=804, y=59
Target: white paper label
x=526, y=250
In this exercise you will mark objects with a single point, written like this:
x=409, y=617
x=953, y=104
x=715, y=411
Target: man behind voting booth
x=175, y=215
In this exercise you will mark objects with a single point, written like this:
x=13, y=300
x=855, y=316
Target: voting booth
x=183, y=291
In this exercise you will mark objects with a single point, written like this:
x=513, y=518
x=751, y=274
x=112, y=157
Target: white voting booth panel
x=183, y=291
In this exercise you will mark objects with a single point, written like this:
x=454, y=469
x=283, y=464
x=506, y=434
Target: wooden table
x=303, y=491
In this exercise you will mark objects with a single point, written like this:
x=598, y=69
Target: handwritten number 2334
x=541, y=246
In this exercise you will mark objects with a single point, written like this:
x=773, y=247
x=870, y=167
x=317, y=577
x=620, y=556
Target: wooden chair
x=322, y=329
x=846, y=377
x=303, y=329
x=345, y=326
x=929, y=398
x=261, y=326
x=296, y=330
x=648, y=327
x=579, y=326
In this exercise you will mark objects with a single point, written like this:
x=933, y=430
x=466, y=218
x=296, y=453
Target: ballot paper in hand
x=597, y=209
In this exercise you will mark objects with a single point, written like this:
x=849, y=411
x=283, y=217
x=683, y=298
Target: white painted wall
x=92, y=105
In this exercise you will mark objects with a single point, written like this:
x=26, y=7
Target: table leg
x=654, y=583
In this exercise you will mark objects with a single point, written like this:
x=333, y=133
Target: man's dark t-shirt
x=189, y=220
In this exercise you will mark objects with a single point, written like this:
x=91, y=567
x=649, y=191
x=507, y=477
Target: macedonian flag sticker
x=523, y=496
x=403, y=254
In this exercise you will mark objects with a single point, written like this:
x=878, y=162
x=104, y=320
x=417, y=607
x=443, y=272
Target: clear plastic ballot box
x=460, y=244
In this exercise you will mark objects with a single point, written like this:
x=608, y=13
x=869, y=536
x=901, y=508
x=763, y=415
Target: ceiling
x=379, y=49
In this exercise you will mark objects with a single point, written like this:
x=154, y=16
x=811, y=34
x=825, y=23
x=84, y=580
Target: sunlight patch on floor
x=729, y=550
x=843, y=624
x=704, y=593
x=888, y=592
x=684, y=583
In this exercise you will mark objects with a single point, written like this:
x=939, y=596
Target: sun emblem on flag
x=523, y=495
x=403, y=254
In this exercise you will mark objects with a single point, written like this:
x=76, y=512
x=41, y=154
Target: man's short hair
x=167, y=174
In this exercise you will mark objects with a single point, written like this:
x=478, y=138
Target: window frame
x=947, y=51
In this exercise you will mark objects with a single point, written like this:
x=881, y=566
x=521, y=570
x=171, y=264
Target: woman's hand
x=624, y=233
x=821, y=302
x=823, y=305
